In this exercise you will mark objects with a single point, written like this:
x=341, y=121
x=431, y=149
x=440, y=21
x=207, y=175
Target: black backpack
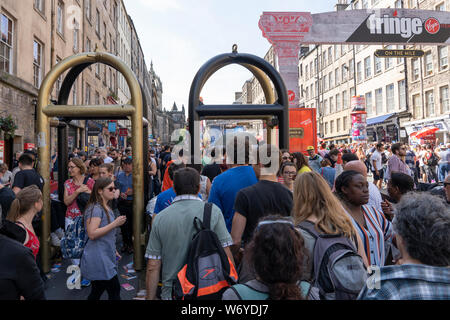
x=338, y=270
x=83, y=198
x=432, y=160
x=208, y=271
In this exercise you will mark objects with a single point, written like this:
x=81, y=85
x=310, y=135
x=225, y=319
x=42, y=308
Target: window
x=39, y=5
x=338, y=102
x=429, y=103
x=88, y=9
x=37, y=64
x=98, y=24
x=417, y=105
x=76, y=33
x=352, y=92
x=306, y=72
x=331, y=104
x=351, y=71
x=97, y=70
x=331, y=126
x=330, y=56
x=428, y=63
x=87, y=98
x=324, y=59
x=443, y=57
x=6, y=44
x=60, y=18
x=443, y=94
x=415, y=69
x=344, y=123
x=307, y=93
x=325, y=83
x=359, y=72
x=88, y=45
x=325, y=107
x=330, y=80
x=338, y=125
x=97, y=98
x=367, y=68
x=344, y=72
x=390, y=102
x=377, y=65
x=311, y=69
x=344, y=99
x=365, y=4
x=398, y=3
x=369, y=103
x=326, y=128
x=75, y=93
x=402, y=94
x=336, y=76
x=388, y=62
x=59, y=80
x=440, y=7
x=379, y=100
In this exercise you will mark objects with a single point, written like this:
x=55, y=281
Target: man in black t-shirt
x=27, y=176
x=264, y=198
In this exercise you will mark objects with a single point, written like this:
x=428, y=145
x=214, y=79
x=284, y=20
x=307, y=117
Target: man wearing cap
x=314, y=159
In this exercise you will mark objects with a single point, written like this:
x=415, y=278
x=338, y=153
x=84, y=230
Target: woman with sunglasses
x=98, y=263
x=288, y=172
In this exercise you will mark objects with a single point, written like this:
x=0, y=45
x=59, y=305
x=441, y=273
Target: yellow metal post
x=45, y=111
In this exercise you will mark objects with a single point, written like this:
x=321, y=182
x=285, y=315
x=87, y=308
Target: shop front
x=442, y=123
x=383, y=129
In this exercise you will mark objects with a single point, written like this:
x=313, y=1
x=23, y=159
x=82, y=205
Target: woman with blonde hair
x=316, y=206
x=27, y=204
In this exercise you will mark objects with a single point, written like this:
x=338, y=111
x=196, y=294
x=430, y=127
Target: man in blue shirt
x=125, y=206
x=226, y=185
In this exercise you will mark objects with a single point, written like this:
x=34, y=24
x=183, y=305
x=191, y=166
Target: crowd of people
x=308, y=230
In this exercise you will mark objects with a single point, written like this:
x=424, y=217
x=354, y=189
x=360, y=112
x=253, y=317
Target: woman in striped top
x=374, y=229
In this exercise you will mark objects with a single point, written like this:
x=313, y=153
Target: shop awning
x=379, y=119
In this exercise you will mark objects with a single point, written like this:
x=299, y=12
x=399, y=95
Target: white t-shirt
x=108, y=160
x=421, y=156
x=375, y=198
x=376, y=156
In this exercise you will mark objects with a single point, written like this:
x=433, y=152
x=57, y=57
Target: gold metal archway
x=134, y=110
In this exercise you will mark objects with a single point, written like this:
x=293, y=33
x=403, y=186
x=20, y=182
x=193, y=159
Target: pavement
x=56, y=285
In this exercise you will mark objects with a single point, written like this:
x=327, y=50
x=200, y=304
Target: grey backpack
x=338, y=270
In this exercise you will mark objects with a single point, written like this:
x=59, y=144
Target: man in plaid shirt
x=422, y=224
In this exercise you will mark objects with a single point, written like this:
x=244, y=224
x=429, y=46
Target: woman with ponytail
x=27, y=204
x=277, y=254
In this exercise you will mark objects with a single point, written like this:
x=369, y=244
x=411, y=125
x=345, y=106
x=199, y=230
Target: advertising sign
x=359, y=126
x=2, y=151
x=112, y=127
x=123, y=132
x=302, y=129
x=380, y=26
x=29, y=146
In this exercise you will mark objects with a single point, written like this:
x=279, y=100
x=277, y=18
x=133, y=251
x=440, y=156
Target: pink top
x=72, y=210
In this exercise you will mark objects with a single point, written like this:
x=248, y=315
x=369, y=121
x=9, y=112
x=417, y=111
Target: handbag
x=83, y=198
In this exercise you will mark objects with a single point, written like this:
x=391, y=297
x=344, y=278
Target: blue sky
x=179, y=36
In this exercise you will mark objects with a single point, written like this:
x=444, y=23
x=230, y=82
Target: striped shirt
x=377, y=237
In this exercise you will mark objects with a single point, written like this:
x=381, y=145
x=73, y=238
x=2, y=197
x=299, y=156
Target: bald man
x=375, y=199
